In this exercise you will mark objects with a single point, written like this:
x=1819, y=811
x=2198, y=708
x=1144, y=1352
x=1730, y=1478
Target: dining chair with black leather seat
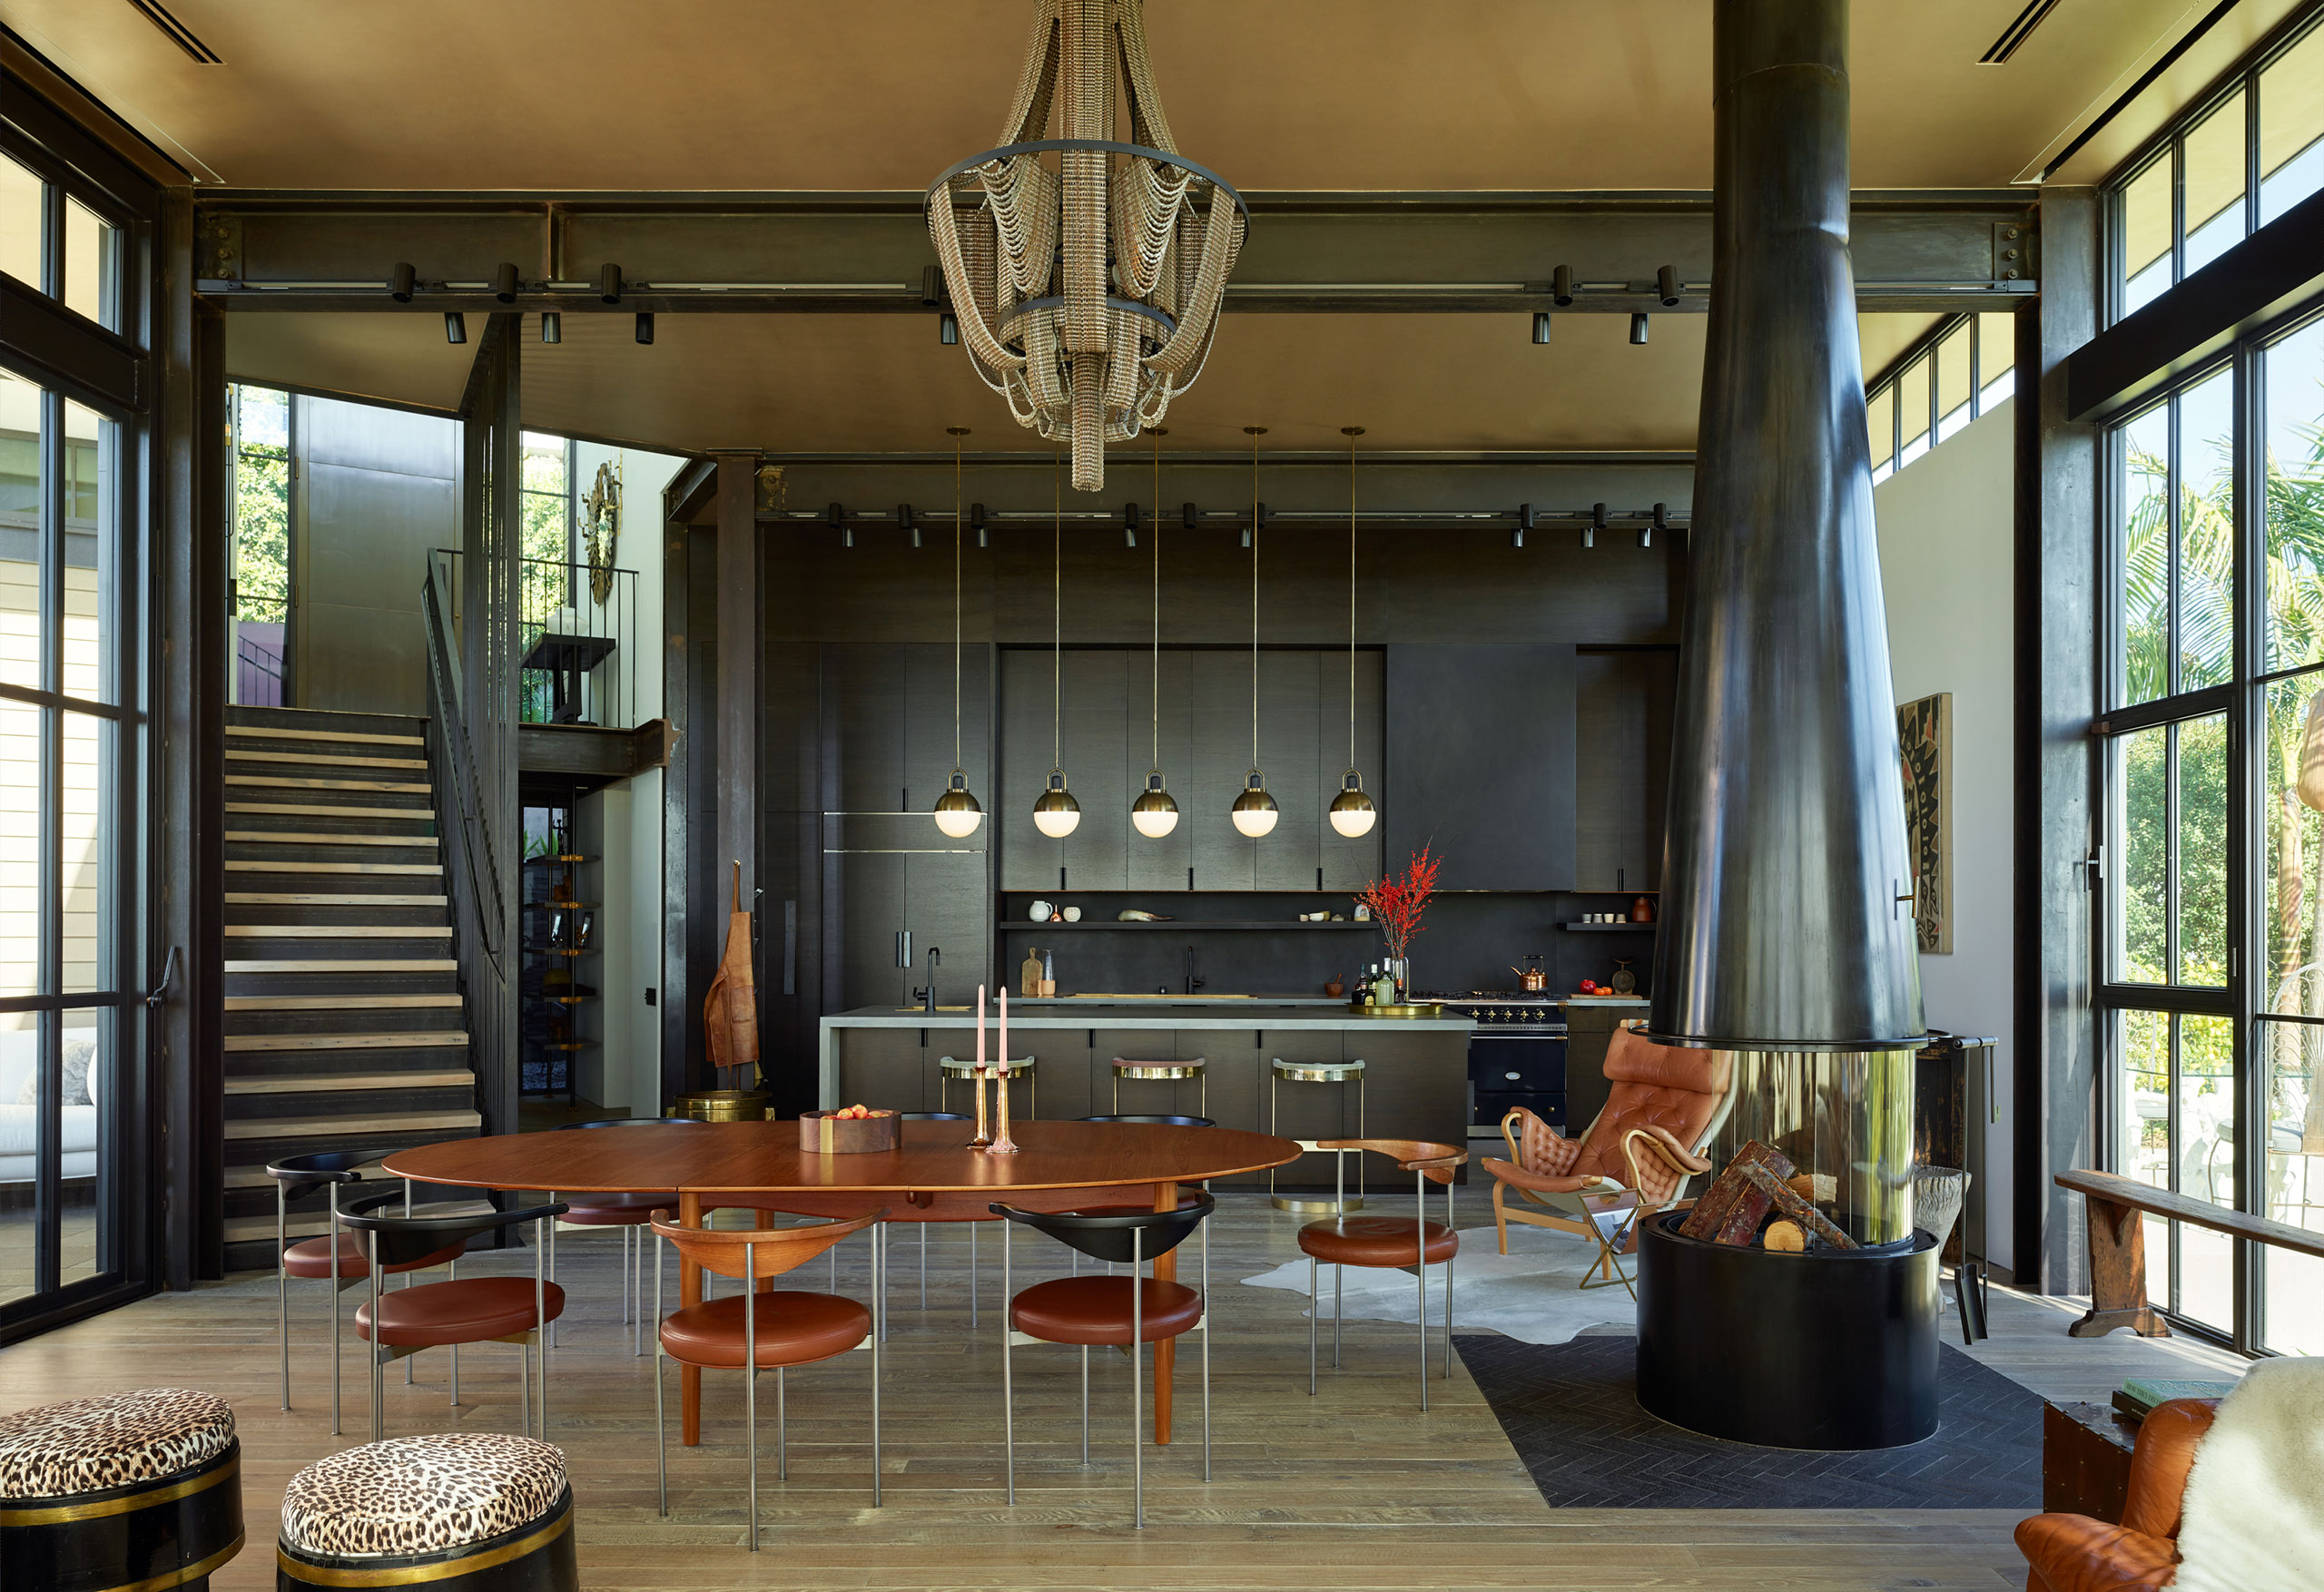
x=337, y=1256
x=465, y=1310
x=628, y=1211
x=754, y=1331
x=1126, y=1313
x=1385, y=1241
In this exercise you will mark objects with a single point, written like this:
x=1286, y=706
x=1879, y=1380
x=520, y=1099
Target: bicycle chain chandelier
x=1087, y=290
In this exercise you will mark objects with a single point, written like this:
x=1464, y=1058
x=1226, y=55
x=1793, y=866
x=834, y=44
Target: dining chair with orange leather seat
x=1665, y=1104
x=1378, y=1240
x=465, y=1309
x=2074, y=1553
x=755, y=1329
x=628, y=1211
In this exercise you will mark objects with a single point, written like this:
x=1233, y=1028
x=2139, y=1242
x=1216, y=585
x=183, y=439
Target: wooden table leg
x=689, y=1292
x=2117, y=1275
x=1166, y=1350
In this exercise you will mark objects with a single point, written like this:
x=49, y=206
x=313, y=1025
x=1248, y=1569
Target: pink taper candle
x=1002, y=1144
x=976, y=1078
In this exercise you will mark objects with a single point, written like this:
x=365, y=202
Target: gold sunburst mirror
x=601, y=528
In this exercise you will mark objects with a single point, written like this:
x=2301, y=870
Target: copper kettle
x=1531, y=977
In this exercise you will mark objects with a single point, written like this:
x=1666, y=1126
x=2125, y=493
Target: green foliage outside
x=262, y=442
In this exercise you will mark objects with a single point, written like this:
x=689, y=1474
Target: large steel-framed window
x=72, y=490
x=2213, y=958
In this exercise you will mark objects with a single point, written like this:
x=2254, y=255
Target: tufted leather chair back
x=1683, y=1091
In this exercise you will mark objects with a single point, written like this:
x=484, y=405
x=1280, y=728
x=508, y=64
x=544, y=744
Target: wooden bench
x=2118, y=1245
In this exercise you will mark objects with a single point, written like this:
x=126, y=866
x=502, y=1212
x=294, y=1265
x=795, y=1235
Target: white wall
x=1947, y=529
x=622, y=825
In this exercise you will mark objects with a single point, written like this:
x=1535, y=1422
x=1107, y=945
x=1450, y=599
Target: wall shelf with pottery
x=1059, y=925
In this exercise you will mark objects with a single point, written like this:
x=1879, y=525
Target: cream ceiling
x=1333, y=95
x=1285, y=94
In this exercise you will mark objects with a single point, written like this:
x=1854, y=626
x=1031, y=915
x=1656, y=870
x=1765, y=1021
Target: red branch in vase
x=1396, y=903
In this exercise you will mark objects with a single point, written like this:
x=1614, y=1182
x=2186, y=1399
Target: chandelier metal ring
x=1142, y=152
x=1169, y=322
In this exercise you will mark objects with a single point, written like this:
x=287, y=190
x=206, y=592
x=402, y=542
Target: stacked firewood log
x=1759, y=1181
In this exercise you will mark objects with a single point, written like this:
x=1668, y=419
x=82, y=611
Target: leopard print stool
x=457, y=1511
x=140, y=1489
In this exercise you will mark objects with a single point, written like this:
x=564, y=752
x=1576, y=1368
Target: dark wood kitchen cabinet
x=1622, y=765
x=1481, y=750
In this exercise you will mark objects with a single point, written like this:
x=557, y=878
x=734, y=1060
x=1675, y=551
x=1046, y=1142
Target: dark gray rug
x=1571, y=1412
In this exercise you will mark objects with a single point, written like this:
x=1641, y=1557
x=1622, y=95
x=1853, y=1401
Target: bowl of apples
x=853, y=1130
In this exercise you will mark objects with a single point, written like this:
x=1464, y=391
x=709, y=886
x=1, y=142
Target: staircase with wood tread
x=343, y=1017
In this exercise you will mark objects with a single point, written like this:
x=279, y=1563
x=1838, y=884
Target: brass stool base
x=1318, y=1207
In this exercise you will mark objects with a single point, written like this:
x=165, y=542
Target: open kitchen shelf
x=1179, y=923
x=1608, y=928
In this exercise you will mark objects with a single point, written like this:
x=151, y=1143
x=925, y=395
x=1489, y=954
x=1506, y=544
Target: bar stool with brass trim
x=953, y=1069
x=470, y=1511
x=140, y=1489
x=1166, y=1071
x=1342, y=1072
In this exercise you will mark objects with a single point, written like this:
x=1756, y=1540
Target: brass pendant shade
x=1154, y=814
x=1253, y=811
x=1351, y=812
x=1055, y=811
x=957, y=813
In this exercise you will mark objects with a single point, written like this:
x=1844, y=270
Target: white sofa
x=18, y=1125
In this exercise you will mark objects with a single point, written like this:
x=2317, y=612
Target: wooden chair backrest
x=758, y=1252
x=1671, y=1086
x=1436, y=1162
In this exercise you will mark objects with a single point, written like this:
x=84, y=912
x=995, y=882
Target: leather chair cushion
x=416, y=1495
x=1375, y=1241
x=310, y=1257
x=616, y=1210
x=2074, y=1553
x=793, y=1329
x=1096, y=1309
x=470, y=1311
x=115, y=1439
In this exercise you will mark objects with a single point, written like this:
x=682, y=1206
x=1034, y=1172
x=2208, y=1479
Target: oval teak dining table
x=933, y=1170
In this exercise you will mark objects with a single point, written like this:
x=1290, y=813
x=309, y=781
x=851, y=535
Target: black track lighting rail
x=1395, y=253
x=1524, y=516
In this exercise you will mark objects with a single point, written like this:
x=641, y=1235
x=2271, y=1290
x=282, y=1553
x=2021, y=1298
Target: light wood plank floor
x=1353, y=1489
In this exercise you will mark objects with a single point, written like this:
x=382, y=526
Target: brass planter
x=1421, y=1008
x=722, y=1106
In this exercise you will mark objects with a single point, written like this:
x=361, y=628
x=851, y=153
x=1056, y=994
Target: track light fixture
x=401, y=282
x=645, y=326
x=1189, y=515
x=609, y=284
x=1597, y=524
x=905, y=518
x=1562, y=287
x=1541, y=327
x=1638, y=327
x=1665, y=286
x=948, y=329
x=1658, y=523
x=455, y=327
x=976, y=522
x=552, y=326
x=835, y=517
x=1129, y=524
x=1524, y=523
x=504, y=283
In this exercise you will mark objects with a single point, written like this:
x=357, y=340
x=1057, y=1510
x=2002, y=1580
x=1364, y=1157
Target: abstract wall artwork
x=1925, y=730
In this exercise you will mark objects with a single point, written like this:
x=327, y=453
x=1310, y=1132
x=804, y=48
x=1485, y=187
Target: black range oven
x=1516, y=1057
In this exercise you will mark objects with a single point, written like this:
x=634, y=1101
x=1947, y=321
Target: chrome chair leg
x=1339, y=1309
x=1137, y=1382
x=1450, y=1227
x=972, y=1276
x=282, y=1283
x=1205, y=1351
x=452, y=1274
x=1420, y=1273
x=1085, y=1403
x=923, y=1267
x=661, y=1438
x=1314, y=1309
x=373, y=1342
x=336, y=1281
x=543, y=1327
x=782, y=1427
x=880, y=1255
x=1008, y=1368
x=409, y=1279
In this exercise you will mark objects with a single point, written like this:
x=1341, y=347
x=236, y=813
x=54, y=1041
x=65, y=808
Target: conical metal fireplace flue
x=1788, y=935
x=1785, y=850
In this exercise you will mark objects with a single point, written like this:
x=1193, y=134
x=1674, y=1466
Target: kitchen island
x=1415, y=1069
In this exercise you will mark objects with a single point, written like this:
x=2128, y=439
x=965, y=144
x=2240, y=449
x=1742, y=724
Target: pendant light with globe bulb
x=1254, y=811
x=1154, y=814
x=957, y=812
x=1056, y=813
x=1353, y=814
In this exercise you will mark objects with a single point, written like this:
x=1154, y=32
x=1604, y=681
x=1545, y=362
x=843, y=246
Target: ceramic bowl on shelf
x=1071, y=914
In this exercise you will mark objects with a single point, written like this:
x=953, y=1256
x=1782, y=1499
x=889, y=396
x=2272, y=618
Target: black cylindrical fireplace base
x=1817, y=1351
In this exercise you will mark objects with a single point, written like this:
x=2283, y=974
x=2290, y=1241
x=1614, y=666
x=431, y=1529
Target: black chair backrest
x=932, y=1117
x=635, y=1122
x=301, y=1176
x=1141, y=1236
x=400, y=1239
x=1162, y=1119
